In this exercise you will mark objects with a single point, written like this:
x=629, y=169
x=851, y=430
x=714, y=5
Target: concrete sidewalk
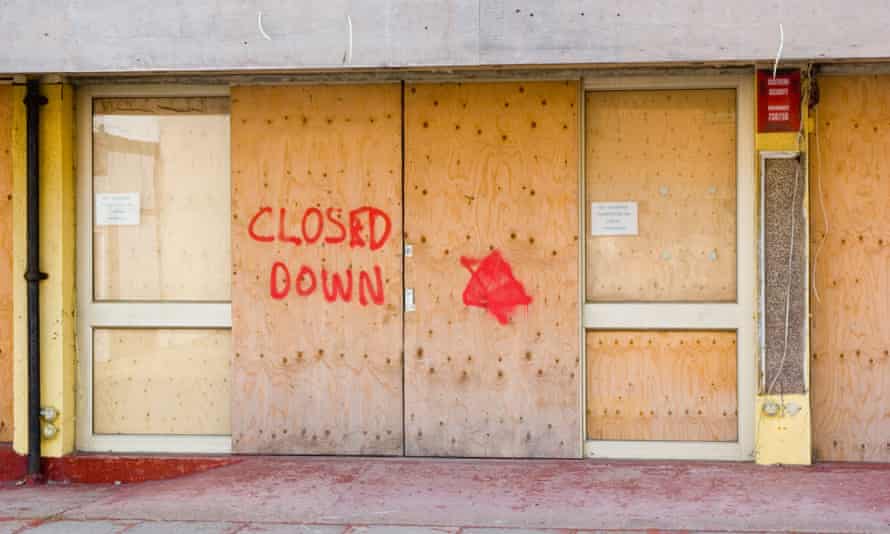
x=407, y=496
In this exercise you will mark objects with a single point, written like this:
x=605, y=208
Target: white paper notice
x=117, y=209
x=614, y=218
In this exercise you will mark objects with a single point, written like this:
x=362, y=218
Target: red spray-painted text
x=365, y=227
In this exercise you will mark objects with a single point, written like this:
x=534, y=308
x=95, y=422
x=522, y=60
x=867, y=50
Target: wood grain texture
x=674, y=153
x=850, y=339
x=6, y=398
x=313, y=376
x=665, y=386
x=178, y=163
x=167, y=381
x=492, y=167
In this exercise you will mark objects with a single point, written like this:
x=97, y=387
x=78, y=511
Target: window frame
x=739, y=316
x=92, y=314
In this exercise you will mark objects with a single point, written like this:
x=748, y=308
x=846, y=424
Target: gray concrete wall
x=96, y=36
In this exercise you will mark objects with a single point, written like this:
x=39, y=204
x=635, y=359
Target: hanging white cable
x=259, y=25
x=347, y=57
x=779, y=51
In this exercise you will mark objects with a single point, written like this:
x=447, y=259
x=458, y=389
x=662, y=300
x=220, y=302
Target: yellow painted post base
x=784, y=438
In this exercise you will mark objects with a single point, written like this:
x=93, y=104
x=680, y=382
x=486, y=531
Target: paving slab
x=191, y=527
x=78, y=527
x=37, y=502
x=266, y=528
x=11, y=526
x=393, y=529
x=515, y=531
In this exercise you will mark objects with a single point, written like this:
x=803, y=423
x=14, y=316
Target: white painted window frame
x=740, y=316
x=92, y=314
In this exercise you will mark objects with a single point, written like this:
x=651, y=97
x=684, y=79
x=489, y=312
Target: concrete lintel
x=87, y=36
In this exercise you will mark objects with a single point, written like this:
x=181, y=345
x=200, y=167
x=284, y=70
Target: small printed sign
x=614, y=218
x=778, y=101
x=117, y=209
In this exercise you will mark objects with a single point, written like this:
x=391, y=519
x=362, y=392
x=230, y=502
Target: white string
x=347, y=57
x=769, y=390
x=779, y=52
x=259, y=25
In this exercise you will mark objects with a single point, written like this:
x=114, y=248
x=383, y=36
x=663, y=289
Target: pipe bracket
x=36, y=277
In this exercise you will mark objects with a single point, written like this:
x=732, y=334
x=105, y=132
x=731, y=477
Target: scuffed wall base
x=109, y=469
x=784, y=438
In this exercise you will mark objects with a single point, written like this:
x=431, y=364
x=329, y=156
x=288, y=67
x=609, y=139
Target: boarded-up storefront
x=419, y=268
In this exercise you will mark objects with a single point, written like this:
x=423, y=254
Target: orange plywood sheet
x=850, y=262
x=316, y=251
x=491, y=204
x=663, y=386
x=162, y=381
x=673, y=152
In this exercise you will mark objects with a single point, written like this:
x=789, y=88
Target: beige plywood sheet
x=174, y=382
x=316, y=304
x=491, y=193
x=6, y=111
x=673, y=152
x=173, y=153
x=850, y=243
x=663, y=386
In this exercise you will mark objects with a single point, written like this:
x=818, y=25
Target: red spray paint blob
x=493, y=287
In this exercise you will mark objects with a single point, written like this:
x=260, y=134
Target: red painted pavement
x=108, y=469
x=573, y=494
x=12, y=466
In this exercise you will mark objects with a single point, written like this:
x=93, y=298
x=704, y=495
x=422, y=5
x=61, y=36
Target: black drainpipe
x=33, y=101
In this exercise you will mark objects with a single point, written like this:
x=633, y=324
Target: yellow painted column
x=57, y=259
x=785, y=437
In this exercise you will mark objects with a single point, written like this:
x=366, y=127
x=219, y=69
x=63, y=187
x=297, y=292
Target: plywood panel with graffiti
x=491, y=192
x=316, y=297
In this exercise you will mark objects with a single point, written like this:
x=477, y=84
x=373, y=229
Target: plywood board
x=785, y=234
x=673, y=152
x=316, y=303
x=850, y=262
x=491, y=192
x=161, y=381
x=6, y=111
x=174, y=154
x=664, y=386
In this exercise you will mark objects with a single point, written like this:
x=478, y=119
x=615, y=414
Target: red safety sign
x=778, y=101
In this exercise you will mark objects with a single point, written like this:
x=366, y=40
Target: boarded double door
x=405, y=270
